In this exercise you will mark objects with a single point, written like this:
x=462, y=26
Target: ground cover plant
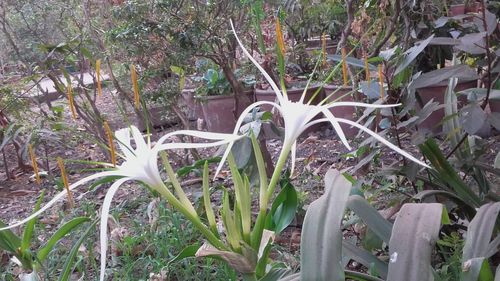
x=112, y=182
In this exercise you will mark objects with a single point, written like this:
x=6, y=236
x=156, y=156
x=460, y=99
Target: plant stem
x=249, y=277
x=259, y=223
x=195, y=220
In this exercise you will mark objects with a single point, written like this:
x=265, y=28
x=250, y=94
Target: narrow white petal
x=140, y=144
x=59, y=196
x=122, y=136
x=336, y=127
x=360, y=104
x=268, y=78
x=237, y=128
x=384, y=141
x=104, y=223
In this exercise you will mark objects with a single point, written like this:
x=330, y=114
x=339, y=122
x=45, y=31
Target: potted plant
x=218, y=102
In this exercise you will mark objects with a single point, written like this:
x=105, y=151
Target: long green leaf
x=446, y=174
x=321, y=241
x=476, y=269
x=68, y=264
x=8, y=240
x=365, y=258
x=189, y=251
x=30, y=226
x=480, y=231
x=370, y=217
x=60, y=233
x=413, y=237
x=283, y=209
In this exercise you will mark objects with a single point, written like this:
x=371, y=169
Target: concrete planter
x=218, y=111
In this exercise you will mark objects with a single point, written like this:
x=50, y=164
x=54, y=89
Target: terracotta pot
x=345, y=112
x=218, y=111
x=456, y=10
x=293, y=94
x=473, y=7
x=437, y=93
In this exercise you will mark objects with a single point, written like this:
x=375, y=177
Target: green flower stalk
x=141, y=165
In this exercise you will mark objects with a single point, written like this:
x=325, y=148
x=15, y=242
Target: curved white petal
x=275, y=88
x=140, y=144
x=336, y=127
x=103, y=228
x=59, y=196
x=379, y=138
x=122, y=136
x=360, y=104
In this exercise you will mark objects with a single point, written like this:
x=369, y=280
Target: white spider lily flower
x=140, y=164
x=298, y=116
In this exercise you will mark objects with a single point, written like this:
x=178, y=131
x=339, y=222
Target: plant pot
x=218, y=111
x=437, y=93
x=473, y=7
x=456, y=10
x=293, y=94
x=191, y=104
x=345, y=112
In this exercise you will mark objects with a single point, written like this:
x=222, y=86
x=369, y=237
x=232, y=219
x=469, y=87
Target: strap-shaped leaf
x=365, y=258
x=477, y=241
x=413, y=236
x=447, y=174
x=321, y=241
x=60, y=233
x=476, y=269
x=8, y=240
x=370, y=217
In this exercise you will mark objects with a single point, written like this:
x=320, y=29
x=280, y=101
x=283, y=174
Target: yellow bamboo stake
x=344, y=67
x=381, y=81
x=367, y=71
x=135, y=84
x=323, y=48
x=71, y=100
x=64, y=176
x=34, y=163
x=111, y=144
x=279, y=35
x=98, y=74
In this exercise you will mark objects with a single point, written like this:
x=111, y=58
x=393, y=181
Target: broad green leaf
x=8, y=240
x=237, y=261
x=44, y=251
x=447, y=174
x=321, y=241
x=364, y=257
x=276, y=274
x=414, y=234
x=351, y=61
x=480, y=231
x=370, y=217
x=188, y=252
x=412, y=53
x=68, y=264
x=283, y=209
x=476, y=269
